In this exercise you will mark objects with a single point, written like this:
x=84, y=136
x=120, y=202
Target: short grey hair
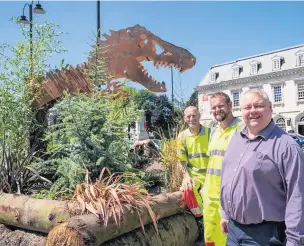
x=191, y=107
x=260, y=92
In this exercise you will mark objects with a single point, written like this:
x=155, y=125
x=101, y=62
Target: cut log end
x=62, y=235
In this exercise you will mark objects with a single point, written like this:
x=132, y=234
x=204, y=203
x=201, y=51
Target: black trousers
x=264, y=234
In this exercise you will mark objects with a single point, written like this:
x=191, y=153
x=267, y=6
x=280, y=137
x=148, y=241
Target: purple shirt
x=263, y=179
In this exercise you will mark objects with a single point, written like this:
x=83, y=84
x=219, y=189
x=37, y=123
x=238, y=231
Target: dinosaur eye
x=168, y=53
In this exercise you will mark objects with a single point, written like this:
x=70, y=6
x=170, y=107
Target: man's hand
x=188, y=182
x=224, y=226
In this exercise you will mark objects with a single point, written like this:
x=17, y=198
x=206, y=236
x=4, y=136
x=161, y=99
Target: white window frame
x=213, y=76
x=279, y=103
x=279, y=96
x=302, y=91
x=236, y=71
x=239, y=99
x=279, y=119
x=297, y=83
x=254, y=67
x=299, y=58
x=276, y=63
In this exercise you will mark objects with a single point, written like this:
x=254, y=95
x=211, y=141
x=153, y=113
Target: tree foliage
x=193, y=100
x=159, y=114
x=20, y=78
x=158, y=110
x=89, y=129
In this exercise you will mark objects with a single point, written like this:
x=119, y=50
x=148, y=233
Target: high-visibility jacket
x=193, y=150
x=219, y=141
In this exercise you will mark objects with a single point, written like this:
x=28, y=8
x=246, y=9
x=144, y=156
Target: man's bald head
x=190, y=108
x=192, y=117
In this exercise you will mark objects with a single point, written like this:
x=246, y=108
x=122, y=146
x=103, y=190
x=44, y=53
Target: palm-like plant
x=109, y=197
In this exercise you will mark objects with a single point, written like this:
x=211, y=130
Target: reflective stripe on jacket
x=193, y=150
x=219, y=141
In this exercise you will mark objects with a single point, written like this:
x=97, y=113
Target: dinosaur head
x=126, y=49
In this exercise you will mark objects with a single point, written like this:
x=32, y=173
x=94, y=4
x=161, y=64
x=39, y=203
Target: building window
x=236, y=72
x=301, y=91
x=213, y=76
x=281, y=123
x=276, y=64
x=254, y=69
x=236, y=99
x=300, y=60
x=277, y=93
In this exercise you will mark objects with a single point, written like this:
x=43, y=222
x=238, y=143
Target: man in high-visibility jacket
x=192, y=147
x=221, y=108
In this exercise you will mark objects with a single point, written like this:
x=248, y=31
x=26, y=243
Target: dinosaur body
x=123, y=50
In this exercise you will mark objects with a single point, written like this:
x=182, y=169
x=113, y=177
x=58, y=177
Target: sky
x=214, y=32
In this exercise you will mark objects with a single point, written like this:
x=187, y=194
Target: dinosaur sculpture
x=124, y=51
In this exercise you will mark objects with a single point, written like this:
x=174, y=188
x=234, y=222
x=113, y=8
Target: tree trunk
x=176, y=230
x=42, y=215
x=88, y=229
x=30, y=213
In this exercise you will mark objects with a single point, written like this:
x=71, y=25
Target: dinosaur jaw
x=145, y=79
x=148, y=80
x=158, y=64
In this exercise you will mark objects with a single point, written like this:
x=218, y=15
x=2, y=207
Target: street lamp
x=23, y=20
x=98, y=20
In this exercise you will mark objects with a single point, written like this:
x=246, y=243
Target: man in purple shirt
x=262, y=185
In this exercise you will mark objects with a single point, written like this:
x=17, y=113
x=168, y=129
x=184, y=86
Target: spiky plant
x=109, y=197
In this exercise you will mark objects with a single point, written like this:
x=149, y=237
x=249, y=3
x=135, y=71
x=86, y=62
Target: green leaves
x=88, y=128
x=20, y=79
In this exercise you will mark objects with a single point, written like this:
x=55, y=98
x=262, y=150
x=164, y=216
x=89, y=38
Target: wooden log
x=89, y=230
x=31, y=213
x=176, y=230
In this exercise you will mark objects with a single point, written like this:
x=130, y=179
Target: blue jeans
x=263, y=234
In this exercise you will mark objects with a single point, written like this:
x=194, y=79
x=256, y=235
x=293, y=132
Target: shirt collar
x=234, y=122
x=201, y=131
x=265, y=133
